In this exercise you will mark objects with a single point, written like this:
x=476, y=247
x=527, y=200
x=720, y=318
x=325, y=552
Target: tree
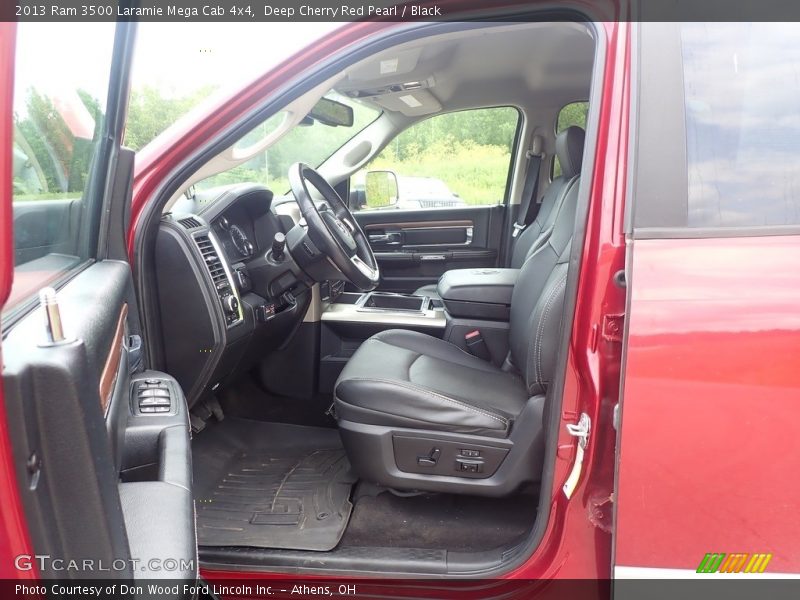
x=150, y=113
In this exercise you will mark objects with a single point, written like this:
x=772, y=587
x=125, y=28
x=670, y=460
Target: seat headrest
x=569, y=149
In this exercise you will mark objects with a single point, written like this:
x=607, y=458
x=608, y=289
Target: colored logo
x=733, y=563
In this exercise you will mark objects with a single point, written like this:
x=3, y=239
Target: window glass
x=741, y=86
x=173, y=74
x=310, y=143
x=572, y=114
x=61, y=85
x=450, y=160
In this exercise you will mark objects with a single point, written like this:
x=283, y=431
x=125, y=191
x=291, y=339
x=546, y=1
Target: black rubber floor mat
x=269, y=485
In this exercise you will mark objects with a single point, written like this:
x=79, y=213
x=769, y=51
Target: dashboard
x=226, y=298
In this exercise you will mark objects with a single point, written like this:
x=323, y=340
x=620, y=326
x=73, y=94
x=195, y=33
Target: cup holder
x=381, y=301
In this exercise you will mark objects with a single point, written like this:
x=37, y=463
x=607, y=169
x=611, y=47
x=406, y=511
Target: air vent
x=212, y=260
x=190, y=223
x=223, y=283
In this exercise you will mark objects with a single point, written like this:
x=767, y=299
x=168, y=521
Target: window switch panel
x=153, y=396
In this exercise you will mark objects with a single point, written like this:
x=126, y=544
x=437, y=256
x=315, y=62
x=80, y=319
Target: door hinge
x=581, y=430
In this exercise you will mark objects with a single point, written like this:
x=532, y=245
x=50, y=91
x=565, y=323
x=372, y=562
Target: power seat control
x=431, y=459
x=469, y=466
x=153, y=396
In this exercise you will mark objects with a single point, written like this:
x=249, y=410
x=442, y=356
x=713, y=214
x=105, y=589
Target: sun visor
x=387, y=66
x=410, y=103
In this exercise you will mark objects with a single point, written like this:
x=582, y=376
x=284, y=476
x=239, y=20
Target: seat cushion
x=401, y=378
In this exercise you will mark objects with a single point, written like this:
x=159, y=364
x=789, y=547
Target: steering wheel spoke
x=371, y=273
x=333, y=229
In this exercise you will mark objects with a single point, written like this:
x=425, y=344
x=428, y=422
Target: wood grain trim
x=109, y=375
x=420, y=224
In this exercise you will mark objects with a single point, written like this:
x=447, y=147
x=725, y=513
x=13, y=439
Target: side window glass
x=450, y=160
x=742, y=145
x=572, y=114
x=59, y=106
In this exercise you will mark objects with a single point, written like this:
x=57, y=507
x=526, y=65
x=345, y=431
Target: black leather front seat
x=569, y=150
x=417, y=412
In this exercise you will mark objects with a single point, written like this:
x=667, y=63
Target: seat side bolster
x=547, y=324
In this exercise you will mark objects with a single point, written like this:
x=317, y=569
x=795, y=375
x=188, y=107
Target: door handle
x=392, y=238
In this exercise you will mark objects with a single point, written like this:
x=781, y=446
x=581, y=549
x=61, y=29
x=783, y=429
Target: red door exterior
x=13, y=531
x=708, y=462
x=707, y=458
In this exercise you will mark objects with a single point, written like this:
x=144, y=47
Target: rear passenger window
x=572, y=114
x=742, y=97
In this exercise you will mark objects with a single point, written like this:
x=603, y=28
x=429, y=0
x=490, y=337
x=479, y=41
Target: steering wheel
x=333, y=229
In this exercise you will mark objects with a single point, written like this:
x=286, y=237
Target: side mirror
x=380, y=188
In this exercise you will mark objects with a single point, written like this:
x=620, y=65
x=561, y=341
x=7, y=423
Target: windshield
x=171, y=75
x=311, y=144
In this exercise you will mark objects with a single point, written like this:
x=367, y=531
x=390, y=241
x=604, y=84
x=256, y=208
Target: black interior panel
x=89, y=474
x=44, y=227
x=414, y=247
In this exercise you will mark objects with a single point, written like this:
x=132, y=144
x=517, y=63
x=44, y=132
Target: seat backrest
x=569, y=150
x=538, y=298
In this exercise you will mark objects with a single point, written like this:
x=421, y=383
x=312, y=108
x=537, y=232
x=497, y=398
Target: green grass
x=477, y=173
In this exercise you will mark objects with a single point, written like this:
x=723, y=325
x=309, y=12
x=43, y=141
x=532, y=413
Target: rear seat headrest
x=569, y=149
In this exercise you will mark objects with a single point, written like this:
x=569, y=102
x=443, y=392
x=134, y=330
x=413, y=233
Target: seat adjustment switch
x=469, y=466
x=431, y=459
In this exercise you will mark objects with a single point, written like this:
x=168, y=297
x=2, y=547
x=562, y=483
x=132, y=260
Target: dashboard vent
x=211, y=259
x=190, y=223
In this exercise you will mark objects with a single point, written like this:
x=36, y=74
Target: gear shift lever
x=278, y=246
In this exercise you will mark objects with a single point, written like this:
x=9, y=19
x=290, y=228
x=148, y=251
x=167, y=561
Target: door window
x=451, y=160
x=60, y=92
x=717, y=144
x=742, y=145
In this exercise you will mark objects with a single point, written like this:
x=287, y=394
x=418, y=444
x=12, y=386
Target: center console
x=477, y=304
x=478, y=293
x=350, y=318
x=385, y=310
x=473, y=314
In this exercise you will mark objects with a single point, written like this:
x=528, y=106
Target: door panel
x=706, y=464
x=57, y=423
x=100, y=446
x=415, y=247
x=43, y=227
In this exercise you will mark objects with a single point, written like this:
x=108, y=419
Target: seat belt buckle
x=518, y=228
x=476, y=345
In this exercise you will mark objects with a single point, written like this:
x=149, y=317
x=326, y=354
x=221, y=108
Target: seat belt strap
x=527, y=211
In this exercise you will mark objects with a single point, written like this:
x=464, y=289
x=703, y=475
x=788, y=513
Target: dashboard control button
x=230, y=303
x=153, y=393
x=265, y=312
